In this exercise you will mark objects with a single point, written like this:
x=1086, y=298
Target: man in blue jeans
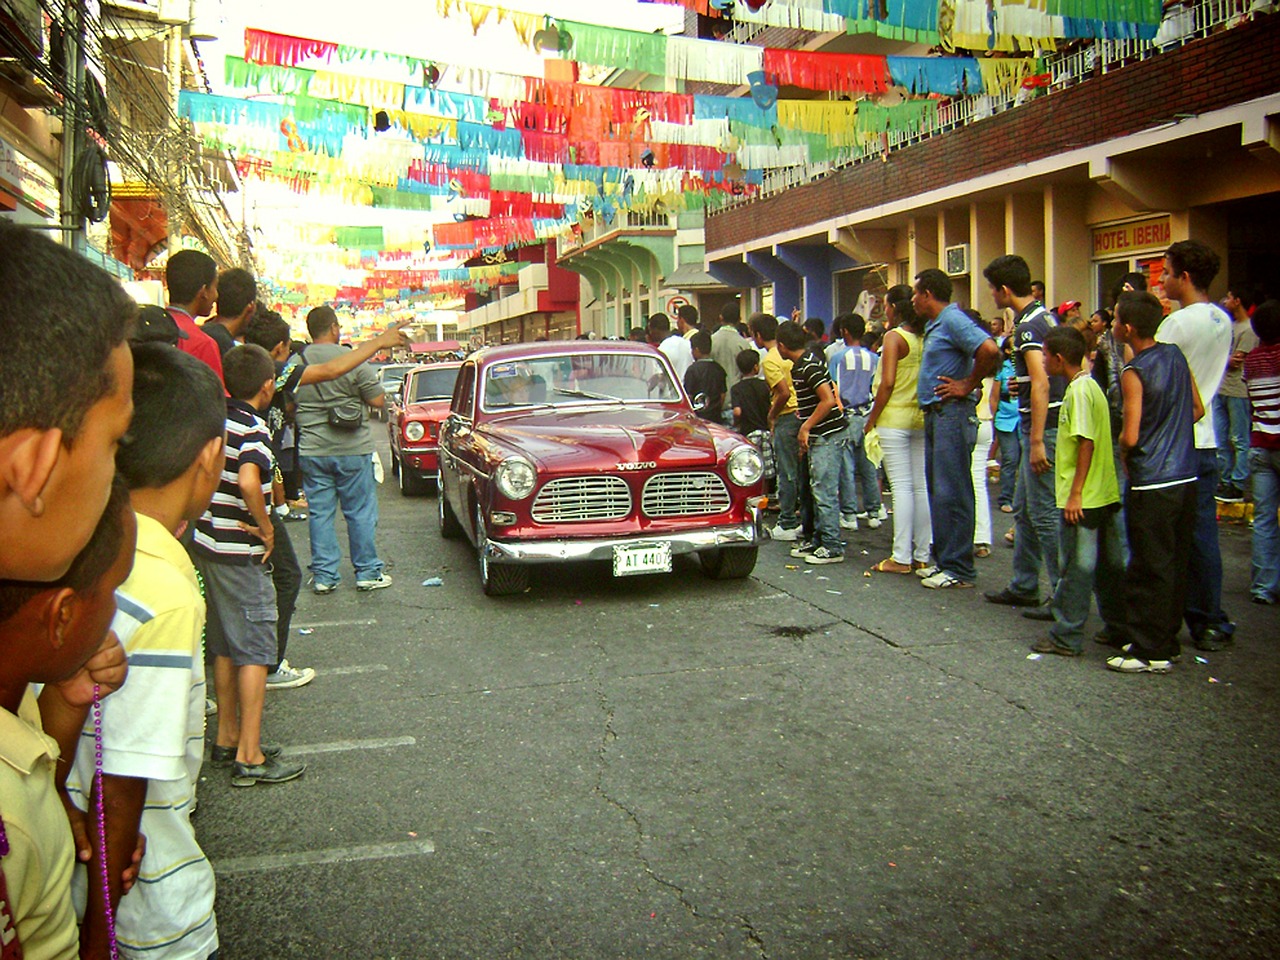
x=335, y=451
x=957, y=356
x=1202, y=331
x=1035, y=511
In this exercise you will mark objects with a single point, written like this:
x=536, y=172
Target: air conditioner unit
x=955, y=260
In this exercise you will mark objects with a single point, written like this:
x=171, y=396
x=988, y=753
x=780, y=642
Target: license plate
x=642, y=558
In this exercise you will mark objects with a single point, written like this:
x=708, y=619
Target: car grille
x=684, y=495
x=572, y=499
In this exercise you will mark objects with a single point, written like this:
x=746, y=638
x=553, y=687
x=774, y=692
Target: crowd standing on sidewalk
x=142, y=500
x=1102, y=431
x=141, y=494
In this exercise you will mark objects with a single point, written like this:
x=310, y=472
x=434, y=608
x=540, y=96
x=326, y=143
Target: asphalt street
x=810, y=763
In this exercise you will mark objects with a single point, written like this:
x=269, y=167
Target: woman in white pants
x=896, y=415
x=981, y=454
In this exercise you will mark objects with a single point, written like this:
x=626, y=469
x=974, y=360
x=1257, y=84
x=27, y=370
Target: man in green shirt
x=1090, y=538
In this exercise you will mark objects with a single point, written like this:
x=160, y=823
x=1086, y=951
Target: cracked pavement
x=672, y=768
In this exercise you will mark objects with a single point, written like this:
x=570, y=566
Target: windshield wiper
x=587, y=395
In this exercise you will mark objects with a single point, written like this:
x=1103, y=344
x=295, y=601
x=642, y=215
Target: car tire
x=450, y=528
x=410, y=486
x=728, y=563
x=497, y=579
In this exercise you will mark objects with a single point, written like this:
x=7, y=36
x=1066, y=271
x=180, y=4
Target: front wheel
x=450, y=528
x=728, y=563
x=497, y=579
x=410, y=486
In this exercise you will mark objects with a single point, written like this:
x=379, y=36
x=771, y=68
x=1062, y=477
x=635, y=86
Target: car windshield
x=577, y=379
x=393, y=376
x=434, y=384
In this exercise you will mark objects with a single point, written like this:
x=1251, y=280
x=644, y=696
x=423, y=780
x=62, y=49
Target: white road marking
x=355, y=668
x=335, y=623
x=338, y=746
x=310, y=858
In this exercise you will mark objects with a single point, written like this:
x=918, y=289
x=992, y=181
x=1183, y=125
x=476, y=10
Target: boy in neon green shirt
x=1090, y=536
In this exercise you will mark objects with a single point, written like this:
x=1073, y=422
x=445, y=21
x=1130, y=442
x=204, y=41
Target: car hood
x=428, y=409
x=600, y=439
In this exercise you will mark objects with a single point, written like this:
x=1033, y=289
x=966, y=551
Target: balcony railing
x=1082, y=62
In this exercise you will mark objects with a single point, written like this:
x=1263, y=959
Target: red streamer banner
x=279, y=50
x=839, y=72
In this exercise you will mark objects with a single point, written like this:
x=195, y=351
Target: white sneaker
x=849, y=523
x=802, y=549
x=924, y=573
x=874, y=520
x=882, y=514
x=780, y=532
x=288, y=676
x=382, y=581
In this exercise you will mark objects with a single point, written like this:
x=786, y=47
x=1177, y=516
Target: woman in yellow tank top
x=896, y=416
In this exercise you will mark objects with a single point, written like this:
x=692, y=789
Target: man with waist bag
x=853, y=367
x=335, y=451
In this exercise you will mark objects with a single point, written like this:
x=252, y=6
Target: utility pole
x=176, y=172
x=73, y=121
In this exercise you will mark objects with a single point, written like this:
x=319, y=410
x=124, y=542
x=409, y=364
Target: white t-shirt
x=1202, y=331
x=679, y=353
x=153, y=729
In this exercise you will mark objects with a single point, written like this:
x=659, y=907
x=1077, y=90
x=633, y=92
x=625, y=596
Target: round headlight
x=414, y=431
x=515, y=478
x=745, y=466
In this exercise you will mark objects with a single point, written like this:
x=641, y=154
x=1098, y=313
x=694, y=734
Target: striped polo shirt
x=1262, y=376
x=807, y=375
x=218, y=535
x=153, y=729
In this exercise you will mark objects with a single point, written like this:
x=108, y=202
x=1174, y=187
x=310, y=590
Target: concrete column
x=1067, y=245
x=986, y=242
x=1209, y=225
x=922, y=244
x=817, y=266
x=1024, y=230
x=786, y=282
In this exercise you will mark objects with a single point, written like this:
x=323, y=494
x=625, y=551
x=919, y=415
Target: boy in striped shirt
x=233, y=541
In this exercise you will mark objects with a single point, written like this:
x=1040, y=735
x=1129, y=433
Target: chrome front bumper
x=690, y=541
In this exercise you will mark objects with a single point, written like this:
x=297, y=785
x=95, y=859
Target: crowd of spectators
x=141, y=490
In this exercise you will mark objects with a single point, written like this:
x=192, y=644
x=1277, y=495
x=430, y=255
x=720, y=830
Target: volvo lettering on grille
x=684, y=495
x=639, y=465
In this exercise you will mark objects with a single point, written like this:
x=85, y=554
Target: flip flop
x=881, y=568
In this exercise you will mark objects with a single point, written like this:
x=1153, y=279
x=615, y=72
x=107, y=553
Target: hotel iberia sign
x=1122, y=238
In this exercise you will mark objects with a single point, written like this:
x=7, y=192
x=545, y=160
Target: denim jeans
x=825, y=457
x=330, y=481
x=1265, y=465
x=858, y=481
x=1204, y=576
x=1010, y=463
x=1035, y=517
x=1231, y=423
x=1089, y=561
x=786, y=455
x=950, y=431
